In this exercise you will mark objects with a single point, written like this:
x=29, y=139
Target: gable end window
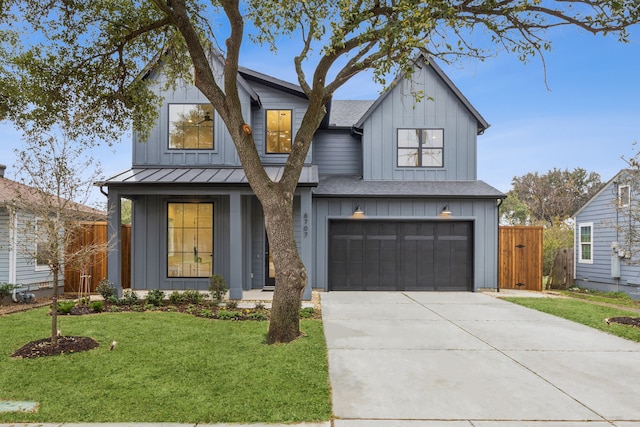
x=421, y=148
x=585, y=246
x=191, y=127
x=624, y=196
x=278, y=131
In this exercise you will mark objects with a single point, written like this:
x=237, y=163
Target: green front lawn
x=584, y=312
x=166, y=367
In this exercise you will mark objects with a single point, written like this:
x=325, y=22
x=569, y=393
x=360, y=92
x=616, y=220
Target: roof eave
x=482, y=123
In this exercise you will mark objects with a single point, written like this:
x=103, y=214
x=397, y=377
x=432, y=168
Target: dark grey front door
x=400, y=255
x=269, y=268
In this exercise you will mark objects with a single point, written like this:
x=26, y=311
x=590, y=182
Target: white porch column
x=306, y=239
x=235, y=246
x=114, y=233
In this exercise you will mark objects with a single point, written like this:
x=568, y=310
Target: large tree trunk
x=291, y=274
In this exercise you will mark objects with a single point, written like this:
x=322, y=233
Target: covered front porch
x=183, y=232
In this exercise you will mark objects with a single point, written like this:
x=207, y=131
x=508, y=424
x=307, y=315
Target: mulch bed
x=631, y=321
x=66, y=345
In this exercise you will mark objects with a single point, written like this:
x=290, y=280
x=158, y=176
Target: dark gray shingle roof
x=347, y=113
x=345, y=186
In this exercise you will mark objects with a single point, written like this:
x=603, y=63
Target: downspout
x=498, y=245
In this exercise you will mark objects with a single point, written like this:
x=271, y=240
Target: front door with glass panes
x=269, y=268
x=189, y=240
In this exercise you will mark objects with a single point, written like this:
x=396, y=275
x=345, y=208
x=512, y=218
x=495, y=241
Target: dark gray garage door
x=369, y=255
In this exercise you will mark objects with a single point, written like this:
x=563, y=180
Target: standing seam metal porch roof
x=202, y=175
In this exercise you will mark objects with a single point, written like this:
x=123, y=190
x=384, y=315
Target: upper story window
x=586, y=243
x=190, y=127
x=278, y=131
x=624, y=196
x=421, y=148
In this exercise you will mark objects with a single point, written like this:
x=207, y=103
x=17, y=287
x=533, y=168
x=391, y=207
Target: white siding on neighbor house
x=441, y=109
x=336, y=152
x=26, y=273
x=4, y=246
x=602, y=212
x=482, y=212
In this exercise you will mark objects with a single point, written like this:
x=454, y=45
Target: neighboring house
x=388, y=198
x=604, y=255
x=16, y=229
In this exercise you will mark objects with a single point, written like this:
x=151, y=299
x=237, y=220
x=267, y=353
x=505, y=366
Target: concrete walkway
x=470, y=359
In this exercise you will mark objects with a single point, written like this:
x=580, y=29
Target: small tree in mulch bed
x=55, y=178
x=64, y=345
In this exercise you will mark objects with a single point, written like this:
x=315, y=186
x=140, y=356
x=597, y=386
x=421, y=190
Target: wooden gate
x=96, y=234
x=520, y=258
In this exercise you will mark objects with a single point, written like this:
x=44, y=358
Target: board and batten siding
x=155, y=151
x=258, y=244
x=440, y=109
x=274, y=99
x=481, y=212
x=336, y=152
x=149, y=243
x=601, y=212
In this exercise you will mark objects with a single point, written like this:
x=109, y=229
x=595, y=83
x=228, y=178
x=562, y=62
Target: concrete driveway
x=469, y=359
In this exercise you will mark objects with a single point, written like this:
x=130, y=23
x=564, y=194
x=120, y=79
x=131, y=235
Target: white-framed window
x=421, y=148
x=624, y=196
x=585, y=243
x=41, y=249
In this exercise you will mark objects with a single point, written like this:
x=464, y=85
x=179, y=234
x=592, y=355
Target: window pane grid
x=190, y=240
x=420, y=147
x=586, y=243
x=278, y=132
x=190, y=126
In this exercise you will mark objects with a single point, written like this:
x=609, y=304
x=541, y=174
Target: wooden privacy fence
x=520, y=258
x=561, y=276
x=95, y=234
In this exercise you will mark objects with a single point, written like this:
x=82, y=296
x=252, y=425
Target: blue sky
x=588, y=117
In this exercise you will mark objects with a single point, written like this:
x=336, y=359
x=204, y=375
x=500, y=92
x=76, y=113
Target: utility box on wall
x=615, y=265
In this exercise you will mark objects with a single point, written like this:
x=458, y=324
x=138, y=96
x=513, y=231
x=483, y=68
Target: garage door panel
x=400, y=255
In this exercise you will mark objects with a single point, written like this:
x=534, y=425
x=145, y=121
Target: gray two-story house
x=388, y=198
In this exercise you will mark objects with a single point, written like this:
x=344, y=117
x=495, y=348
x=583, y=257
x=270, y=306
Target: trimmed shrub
x=106, y=289
x=155, y=297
